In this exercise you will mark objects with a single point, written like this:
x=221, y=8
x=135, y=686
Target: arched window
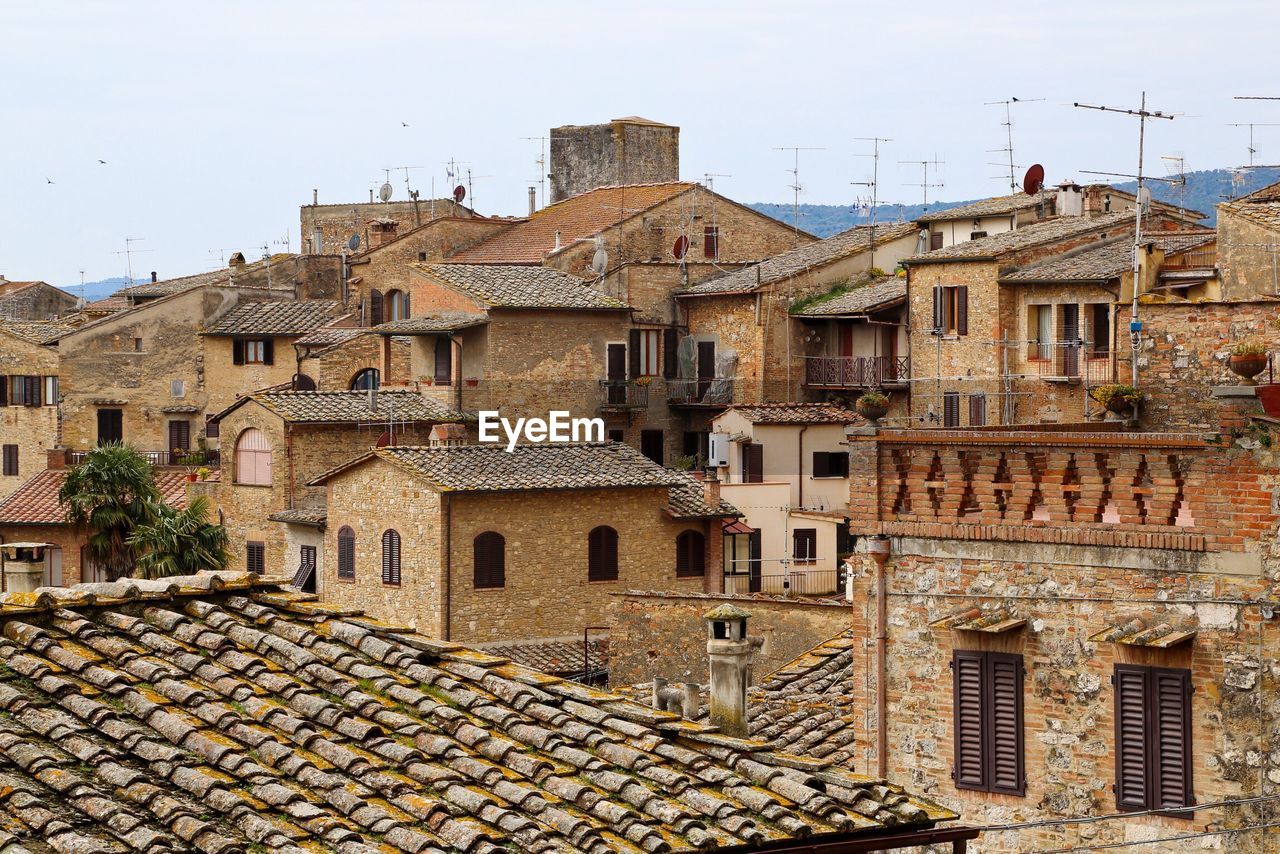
x=366, y=379
x=691, y=554
x=396, y=305
x=391, y=557
x=489, y=558
x=602, y=554
x=253, y=458
x=346, y=553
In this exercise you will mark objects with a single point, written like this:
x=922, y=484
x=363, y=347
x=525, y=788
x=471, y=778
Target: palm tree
x=111, y=493
x=180, y=542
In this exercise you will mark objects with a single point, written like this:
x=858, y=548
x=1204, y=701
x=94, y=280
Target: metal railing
x=799, y=581
x=855, y=371
x=623, y=394
x=717, y=391
x=209, y=458
x=1070, y=360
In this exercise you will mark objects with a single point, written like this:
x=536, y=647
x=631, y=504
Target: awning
x=737, y=526
x=978, y=619
x=1144, y=631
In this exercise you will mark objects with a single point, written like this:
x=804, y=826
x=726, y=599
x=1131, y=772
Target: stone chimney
x=683, y=701
x=729, y=652
x=448, y=435
x=533, y=200
x=711, y=488
x=1070, y=200
x=23, y=566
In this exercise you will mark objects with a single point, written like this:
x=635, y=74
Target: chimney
x=711, y=488
x=683, y=701
x=317, y=241
x=153, y=277
x=557, y=246
x=447, y=435
x=371, y=195
x=729, y=652
x=315, y=197
x=533, y=200
x=1070, y=201
x=373, y=398
x=23, y=566
x=56, y=458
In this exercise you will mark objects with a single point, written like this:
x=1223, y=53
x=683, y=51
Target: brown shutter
x=489, y=560
x=4, y=390
x=602, y=554
x=10, y=460
x=390, y=557
x=1004, y=718
x=405, y=303
x=670, y=350
x=977, y=410
x=682, y=554
x=32, y=390
x=346, y=553
x=1131, y=736
x=1171, y=729
x=968, y=768
x=268, y=351
x=753, y=463
x=375, y=307
x=937, y=310
x=962, y=310
x=951, y=409
x=633, y=353
x=444, y=360
x=821, y=464
x=237, y=351
x=255, y=557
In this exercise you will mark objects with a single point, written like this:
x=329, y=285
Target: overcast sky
x=216, y=120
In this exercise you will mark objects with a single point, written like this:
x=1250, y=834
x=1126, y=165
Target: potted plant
x=1248, y=359
x=1117, y=397
x=203, y=472
x=872, y=406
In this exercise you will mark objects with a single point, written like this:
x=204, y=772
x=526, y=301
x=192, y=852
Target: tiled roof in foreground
x=36, y=501
x=1029, y=236
x=201, y=713
x=871, y=296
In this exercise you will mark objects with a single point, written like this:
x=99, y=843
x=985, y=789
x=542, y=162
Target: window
x=305, y=578
x=1153, y=737
x=346, y=553
x=253, y=458
x=752, y=462
x=805, y=542
x=977, y=235
x=10, y=461
x=396, y=305
x=50, y=391
x=602, y=554
x=951, y=409
x=711, y=241
x=25, y=391
x=644, y=352
x=391, y=557
x=179, y=440
x=422, y=256
x=252, y=351
x=366, y=379
x=489, y=560
x=670, y=353
x=616, y=435
x=1100, y=327
x=830, y=464
x=977, y=410
x=988, y=743
x=1040, y=332
x=691, y=554
x=652, y=444
x=694, y=445
x=137, y=345
x=444, y=360
x=950, y=310
x=110, y=426
x=255, y=557
x=935, y=240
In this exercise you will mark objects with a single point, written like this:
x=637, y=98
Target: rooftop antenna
x=542, y=164
x=1142, y=114
x=82, y=284
x=874, y=184
x=924, y=182
x=405, y=169
x=1176, y=166
x=709, y=179
x=1251, y=126
x=1008, y=130
x=796, y=186
x=471, y=190
x=128, y=252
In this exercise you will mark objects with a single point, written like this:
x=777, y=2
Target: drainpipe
x=446, y=507
x=288, y=453
x=457, y=346
x=800, y=468
x=878, y=548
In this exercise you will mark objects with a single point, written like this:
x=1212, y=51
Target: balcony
x=1204, y=258
x=1070, y=362
x=715, y=392
x=798, y=581
x=623, y=395
x=855, y=371
x=209, y=458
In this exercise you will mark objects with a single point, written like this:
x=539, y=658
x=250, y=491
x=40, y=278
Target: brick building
x=474, y=543
x=29, y=423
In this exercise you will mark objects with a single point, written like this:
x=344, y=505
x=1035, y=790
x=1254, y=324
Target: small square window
x=137, y=345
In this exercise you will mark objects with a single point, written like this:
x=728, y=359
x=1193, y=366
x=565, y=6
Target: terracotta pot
x=191, y=478
x=1269, y=395
x=870, y=411
x=1248, y=366
x=473, y=383
x=1119, y=406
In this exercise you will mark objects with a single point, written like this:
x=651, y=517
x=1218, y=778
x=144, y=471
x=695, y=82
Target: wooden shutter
x=4, y=390
x=405, y=303
x=346, y=553
x=670, y=351
x=1131, y=696
x=444, y=360
x=838, y=464
x=1170, y=770
x=237, y=351
x=977, y=410
x=753, y=463
x=968, y=770
x=602, y=554
x=391, y=557
x=255, y=557
x=691, y=554
x=962, y=310
x=375, y=307
x=821, y=464
x=633, y=353
x=951, y=409
x=489, y=560
x=268, y=351
x=32, y=390
x=179, y=435
x=937, y=310
x=1004, y=723
x=10, y=460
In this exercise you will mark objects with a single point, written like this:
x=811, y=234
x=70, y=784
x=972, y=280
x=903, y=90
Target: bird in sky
x=404, y=124
x=48, y=180
x=103, y=162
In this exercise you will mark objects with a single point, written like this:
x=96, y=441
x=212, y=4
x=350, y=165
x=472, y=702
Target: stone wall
x=225, y=381
x=1246, y=257
x=338, y=222
x=33, y=429
x=39, y=302
x=662, y=633
x=584, y=157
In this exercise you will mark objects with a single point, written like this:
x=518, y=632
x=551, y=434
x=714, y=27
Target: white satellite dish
x=384, y=192
x=599, y=262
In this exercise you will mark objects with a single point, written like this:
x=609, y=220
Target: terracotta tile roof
x=529, y=241
x=689, y=500
x=793, y=262
x=507, y=286
x=36, y=501
x=199, y=713
x=1089, y=264
x=1264, y=213
x=1269, y=193
x=1029, y=236
x=222, y=276
x=327, y=336
x=37, y=331
x=796, y=413
x=108, y=305
x=351, y=407
x=1157, y=632
x=316, y=517
x=1180, y=241
x=871, y=296
x=276, y=317
x=557, y=656
x=994, y=206
x=8, y=286
x=448, y=321
x=978, y=618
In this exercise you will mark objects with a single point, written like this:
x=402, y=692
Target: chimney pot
x=533, y=200
x=729, y=651
x=153, y=276
x=315, y=197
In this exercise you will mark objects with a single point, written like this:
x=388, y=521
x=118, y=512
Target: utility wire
x=1200, y=835
x=1094, y=819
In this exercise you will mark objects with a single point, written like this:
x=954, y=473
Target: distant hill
x=97, y=290
x=1203, y=191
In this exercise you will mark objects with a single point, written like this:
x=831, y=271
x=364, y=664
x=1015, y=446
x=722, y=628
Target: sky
x=216, y=120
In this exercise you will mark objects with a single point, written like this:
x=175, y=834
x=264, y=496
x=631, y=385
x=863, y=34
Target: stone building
x=297, y=276
x=29, y=395
x=273, y=443
x=328, y=229
x=1074, y=624
x=475, y=543
x=34, y=301
x=631, y=150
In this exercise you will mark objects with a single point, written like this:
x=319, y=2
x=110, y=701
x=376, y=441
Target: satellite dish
x=384, y=192
x=354, y=243
x=387, y=438
x=680, y=248
x=459, y=193
x=599, y=262
x=1144, y=199
x=1034, y=180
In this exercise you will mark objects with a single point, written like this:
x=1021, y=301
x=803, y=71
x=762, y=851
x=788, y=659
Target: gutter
x=878, y=548
x=446, y=506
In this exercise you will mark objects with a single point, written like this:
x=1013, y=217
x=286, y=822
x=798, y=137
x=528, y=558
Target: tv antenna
x=1251, y=126
x=1142, y=114
x=709, y=179
x=1176, y=167
x=542, y=163
x=1008, y=131
x=874, y=184
x=924, y=182
x=128, y=252
x=796, y=186
x=405, y=169
x=471, y=190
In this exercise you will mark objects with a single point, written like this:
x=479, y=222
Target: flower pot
x=473, y=383
x=1119, y=406
x=1248, y=366
x=191, y=478
x=1269, y=395
x=872, y=411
